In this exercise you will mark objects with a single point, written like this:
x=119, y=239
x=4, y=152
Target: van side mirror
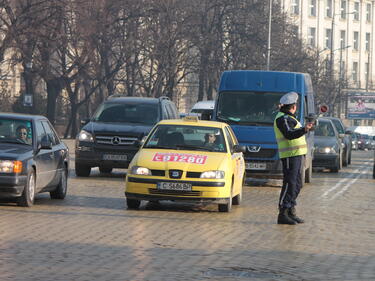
x=239, y=148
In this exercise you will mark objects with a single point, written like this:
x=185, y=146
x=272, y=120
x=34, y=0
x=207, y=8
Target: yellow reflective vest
x=289, y=148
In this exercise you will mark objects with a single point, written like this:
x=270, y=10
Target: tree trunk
x=53, y=91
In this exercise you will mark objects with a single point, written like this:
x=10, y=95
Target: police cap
x=289, y=98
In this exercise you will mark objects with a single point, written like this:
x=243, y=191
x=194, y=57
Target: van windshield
x=249, y=108
x=127, y=113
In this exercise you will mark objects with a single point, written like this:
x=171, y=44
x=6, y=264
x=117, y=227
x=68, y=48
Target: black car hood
x=137, y=130
x=325, y=141
x=11, y=151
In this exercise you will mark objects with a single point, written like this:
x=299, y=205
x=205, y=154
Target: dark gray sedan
x=328, y=147
x=32, y=159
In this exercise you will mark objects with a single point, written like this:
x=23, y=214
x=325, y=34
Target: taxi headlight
x=137, y=170
x=213, y=175
x=85, y=136
x=8, y=166
x=327, y=150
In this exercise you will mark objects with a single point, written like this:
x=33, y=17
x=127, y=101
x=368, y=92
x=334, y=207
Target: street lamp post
x=269, y=36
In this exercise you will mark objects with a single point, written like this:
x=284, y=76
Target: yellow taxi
x=187, y=160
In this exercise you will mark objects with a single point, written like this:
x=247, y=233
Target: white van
x=205, y=108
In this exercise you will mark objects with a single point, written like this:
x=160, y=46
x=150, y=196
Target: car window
x=187, y=138
x=338, y=126
x=229, y=138
x=170, y=111
x=50, y=133
x=324, y=129
x=143, y=113
x=40, y=132
x=16, y=131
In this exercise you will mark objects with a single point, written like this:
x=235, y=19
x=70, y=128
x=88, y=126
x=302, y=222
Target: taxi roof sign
x=191, y=118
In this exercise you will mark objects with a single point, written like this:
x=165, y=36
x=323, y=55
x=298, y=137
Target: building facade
x=341, y=31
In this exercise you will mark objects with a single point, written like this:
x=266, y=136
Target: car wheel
x=28, y=194
x=238, y=198
x=336, y=168
x=308, y=173
x=345, y=158
x=350, y=158
x=373, y=172
x=82, y=170
x=227, y=206
x=133, y=203
x=62, y=187
x=105, y=170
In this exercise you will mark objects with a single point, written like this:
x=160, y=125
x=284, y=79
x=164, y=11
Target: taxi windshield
x=183, y=137
x=16, y=131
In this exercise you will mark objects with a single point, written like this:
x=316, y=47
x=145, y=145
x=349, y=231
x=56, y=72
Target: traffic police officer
x=291, y=142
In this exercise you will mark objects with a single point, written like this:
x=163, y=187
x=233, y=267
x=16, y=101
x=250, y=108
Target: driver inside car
x=22, y=134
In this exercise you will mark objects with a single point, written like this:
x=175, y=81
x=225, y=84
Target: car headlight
x=85, y=136
x=213, y=175
x=9, y=166
x=137, y=170
x=326, y=150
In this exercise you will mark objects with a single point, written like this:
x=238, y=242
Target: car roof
x=203, y=123
x=207, y=104
x=21, y=116
x=132, y=100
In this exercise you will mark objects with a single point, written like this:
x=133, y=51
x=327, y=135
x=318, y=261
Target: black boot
x=292, y=214
x=284, y=218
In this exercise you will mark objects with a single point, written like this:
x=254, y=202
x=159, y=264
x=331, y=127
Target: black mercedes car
x=111, y=138
x=32, y=159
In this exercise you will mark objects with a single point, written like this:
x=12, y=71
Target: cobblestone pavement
x=92, y=236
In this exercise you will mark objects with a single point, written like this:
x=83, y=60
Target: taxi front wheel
x=133, y=203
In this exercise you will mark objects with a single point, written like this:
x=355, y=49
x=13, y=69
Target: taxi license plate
x=256, y=166
x=115, y=157
x=174, y=186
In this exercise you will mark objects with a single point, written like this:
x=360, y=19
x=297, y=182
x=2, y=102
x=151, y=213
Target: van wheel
x=105, y=170
x=133, y=203
x=82, y=170
x=28, y=194
x=62, y=187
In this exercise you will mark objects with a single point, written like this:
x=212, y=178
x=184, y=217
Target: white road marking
x=345, y=180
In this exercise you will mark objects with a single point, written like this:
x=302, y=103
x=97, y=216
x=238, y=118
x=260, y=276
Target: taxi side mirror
x=239, y=148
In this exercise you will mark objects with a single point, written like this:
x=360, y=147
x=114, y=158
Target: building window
x=367, y=43
x=368, y=12
x=295, y=7
x=328, y=38
x=355, y=40
x=356, y=11
x=342, y=39
x=312, y=8
x=329, y=8
x=311, y=36
x=343, y=9
x=355, y=71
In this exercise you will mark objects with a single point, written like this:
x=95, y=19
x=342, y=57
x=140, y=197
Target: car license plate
x=256, y=166
x=115, y=157
x=174, y=186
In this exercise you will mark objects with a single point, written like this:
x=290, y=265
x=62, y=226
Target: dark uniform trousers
x=292, y=167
